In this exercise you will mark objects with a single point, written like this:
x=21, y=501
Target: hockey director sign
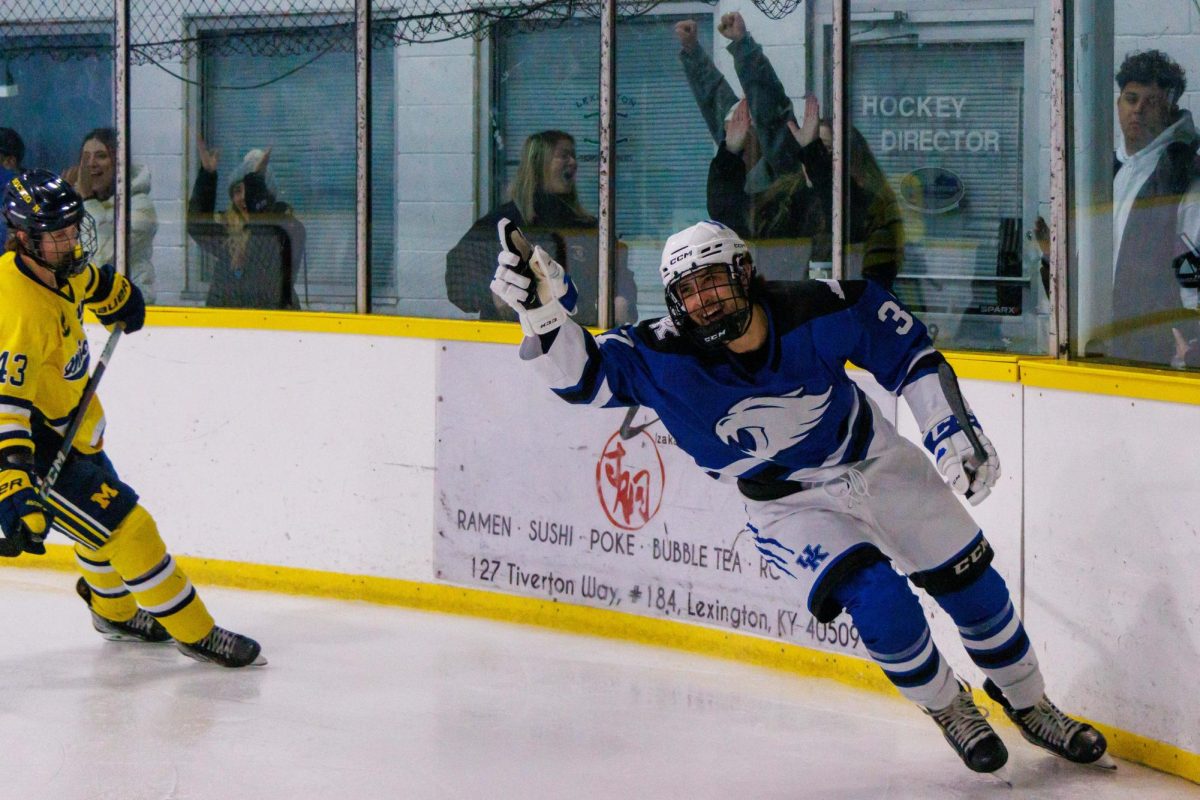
x=601, y=508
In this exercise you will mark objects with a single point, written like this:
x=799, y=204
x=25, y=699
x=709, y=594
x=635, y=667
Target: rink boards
x=315, y=450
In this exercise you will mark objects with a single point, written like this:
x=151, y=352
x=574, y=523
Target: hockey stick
x=958, y=405
x=64, y=452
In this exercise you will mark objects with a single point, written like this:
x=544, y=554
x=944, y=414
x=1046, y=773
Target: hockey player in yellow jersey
x=132, y=585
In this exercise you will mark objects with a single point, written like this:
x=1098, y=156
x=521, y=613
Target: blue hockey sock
x=893, y=629
x=994, y=636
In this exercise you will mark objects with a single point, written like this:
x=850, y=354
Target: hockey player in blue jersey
x=750, y=380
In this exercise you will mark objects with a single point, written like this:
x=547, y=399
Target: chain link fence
x=164, y=30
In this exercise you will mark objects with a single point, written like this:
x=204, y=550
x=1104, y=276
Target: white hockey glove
x=938, y=405
x=961, y=466
x=532, y=283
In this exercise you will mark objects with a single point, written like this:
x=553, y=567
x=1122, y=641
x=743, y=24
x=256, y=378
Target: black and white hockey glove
x=969, y=470
x=532, y=283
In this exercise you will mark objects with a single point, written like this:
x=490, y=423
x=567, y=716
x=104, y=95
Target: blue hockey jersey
x=788, y=411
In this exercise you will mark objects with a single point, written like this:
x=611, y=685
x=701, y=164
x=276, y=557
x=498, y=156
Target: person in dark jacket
x=545, y=205
x=12, y=154
x=799, y=204
x=753, y=136
x=257, y=244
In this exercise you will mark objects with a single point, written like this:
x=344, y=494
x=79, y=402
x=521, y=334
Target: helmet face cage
x=719, y=297
x=76, y=261
x=39, y=203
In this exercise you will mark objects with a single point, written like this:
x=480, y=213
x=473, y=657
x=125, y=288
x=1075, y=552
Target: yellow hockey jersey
x=44, y=354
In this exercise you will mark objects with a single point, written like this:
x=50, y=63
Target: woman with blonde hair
x=94, y=177
x=545, y=205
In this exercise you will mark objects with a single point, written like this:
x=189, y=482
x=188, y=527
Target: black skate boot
x=140, y=628
x=970, y=735
x=226, y=648
x=1049, y=728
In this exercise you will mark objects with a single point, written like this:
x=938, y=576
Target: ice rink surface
x=362, y=701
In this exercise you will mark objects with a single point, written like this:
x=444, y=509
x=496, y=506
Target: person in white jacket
x=1156, y=217
x=95, y=180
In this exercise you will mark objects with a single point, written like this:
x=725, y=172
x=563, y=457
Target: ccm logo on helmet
x=680, y=257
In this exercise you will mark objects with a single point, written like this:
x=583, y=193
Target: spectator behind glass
x=94, y=177
x=545, y=205
x=1156, y=211
x=799, y=204
x=257, y=244
x=12, y=154
x=875, y=223
x=755, y=146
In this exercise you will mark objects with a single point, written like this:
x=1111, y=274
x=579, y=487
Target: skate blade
x=1104, y=762
x=1003, y=775
x=125, y=637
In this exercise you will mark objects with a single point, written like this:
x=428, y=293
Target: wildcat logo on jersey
x=629, y=479
x=77, y=367
x=765, y=426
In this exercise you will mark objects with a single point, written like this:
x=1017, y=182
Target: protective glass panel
x=723, y=142
x=538, y=164
x=56, y=72
x=949, y=123
x=1136, y=267
x=271, y=152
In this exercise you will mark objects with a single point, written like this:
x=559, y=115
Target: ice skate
x=141, y=627
x=1049, y=728
x=225, y=648
x=969, y=733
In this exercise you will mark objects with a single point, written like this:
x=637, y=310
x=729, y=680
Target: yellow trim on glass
x=330, y=322
x=1041, y=371
x=1164, y=385
x=585, y=620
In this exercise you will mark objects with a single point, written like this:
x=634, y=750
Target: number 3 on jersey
x=17, y=376
x=904, y=320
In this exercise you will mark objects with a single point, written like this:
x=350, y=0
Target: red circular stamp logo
x=630, y=479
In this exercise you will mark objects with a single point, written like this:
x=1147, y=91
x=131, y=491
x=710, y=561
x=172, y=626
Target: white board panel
x=1112, y=584
x=299, y=449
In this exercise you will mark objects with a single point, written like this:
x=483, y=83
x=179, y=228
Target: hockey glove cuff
x=553, y=281
x=513, y=288
x=956, y=459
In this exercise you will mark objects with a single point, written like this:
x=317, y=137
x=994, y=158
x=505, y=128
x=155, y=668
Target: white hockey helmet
x=714, y=249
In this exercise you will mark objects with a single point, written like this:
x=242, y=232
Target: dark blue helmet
x=37, y=202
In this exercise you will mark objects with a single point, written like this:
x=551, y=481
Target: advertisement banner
x=598, y=507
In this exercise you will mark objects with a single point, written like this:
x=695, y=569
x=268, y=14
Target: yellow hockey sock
x=110, y=597
x=140, y=558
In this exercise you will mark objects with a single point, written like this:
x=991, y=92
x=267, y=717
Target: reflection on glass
x=94, y=177
x=544, y=203
x=543, y=167
x=55, y=89
x=1156, y=219
x=271, y=205
x=940, y=197
x=770, y=179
